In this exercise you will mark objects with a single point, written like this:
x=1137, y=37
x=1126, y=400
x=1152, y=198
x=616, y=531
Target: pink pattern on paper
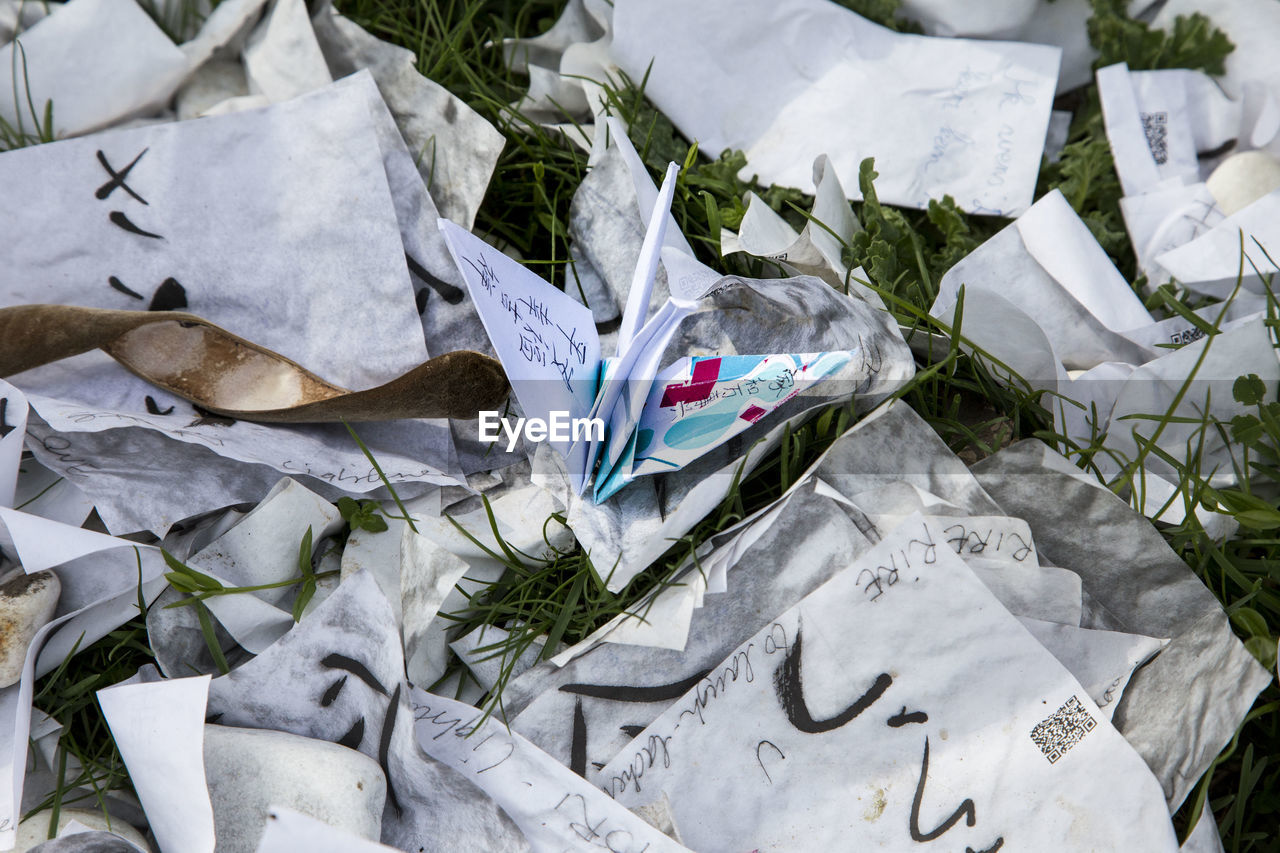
x=705, y=373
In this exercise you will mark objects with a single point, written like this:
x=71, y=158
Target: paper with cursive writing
x=556, y=809
x=844, y=721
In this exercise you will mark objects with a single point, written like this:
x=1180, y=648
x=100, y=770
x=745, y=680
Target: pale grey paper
x=785, y=82
x=145, y=465
x=1182, y=708
x=565, y=65
x=100, y=577
x=455, y=148
x=1102, y=661
x=339, y=298
x=16, y=16
x=428, y=804
x=557, y=810
x=773, y=574
x=843, y=721
x=1252, y=26
x=99, y=61
x=281, y=57
x=816, y=250
x=1056, y=22
x=889, y=447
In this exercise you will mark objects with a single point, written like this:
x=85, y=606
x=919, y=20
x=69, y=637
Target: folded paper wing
x=227, y=375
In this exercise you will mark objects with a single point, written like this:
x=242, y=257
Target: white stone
x=1243, y=178
x=251, y=770
x=27, y=602
x=35, y=830
x=86, y=842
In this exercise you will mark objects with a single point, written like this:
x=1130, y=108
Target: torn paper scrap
x=159, y=728
x=349, y=314
x=1251, y=25
x=973, y=710
x=339, y=676
x=584, y=712
x=13, y=429
x=288, y=831
x=281, y=56
x=1102, y=661
x=98, y=61
x=816, y=250
x=1182, y=708
x=454, y=147
x=971, y=115
x=551, y=804
x=1241, y=247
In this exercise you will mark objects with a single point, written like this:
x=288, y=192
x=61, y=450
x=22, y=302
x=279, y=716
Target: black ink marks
x=488, y=275
x=630, y=731
x=118, y=178
x=578, y=743
x=645, y=757
x=384, y=744
x=760, y=760
x=622, y=693
x=5, y=428
x=992, y=849
x=420, y=300
x=123, y=288
x=118, y=218
x=169, y=296
x=930, y=547
x=709, y=688
x=212, y=719
x=879, y=578
x=331, y=693
x=359, y=670
x=776, y=640
x=153, y=408
x=966, y=810
x=902, y=718
x=449, y=293
x=617, y=693
x=790, y=690
x=355, y=735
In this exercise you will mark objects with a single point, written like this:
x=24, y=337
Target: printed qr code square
x=1156, y=127
x=1063, y=729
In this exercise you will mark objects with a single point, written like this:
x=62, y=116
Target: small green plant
x=362, y=515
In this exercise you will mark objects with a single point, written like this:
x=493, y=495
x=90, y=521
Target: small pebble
x=27, y=603
x=251, y=770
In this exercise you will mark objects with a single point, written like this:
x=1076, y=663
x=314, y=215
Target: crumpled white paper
x=99, y=61
x=337, y=296
x=785, y=82
x=836, y=729
x=102, y=578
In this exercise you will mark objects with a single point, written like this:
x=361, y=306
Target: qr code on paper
x=1062, y=729
x=1156, y=127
